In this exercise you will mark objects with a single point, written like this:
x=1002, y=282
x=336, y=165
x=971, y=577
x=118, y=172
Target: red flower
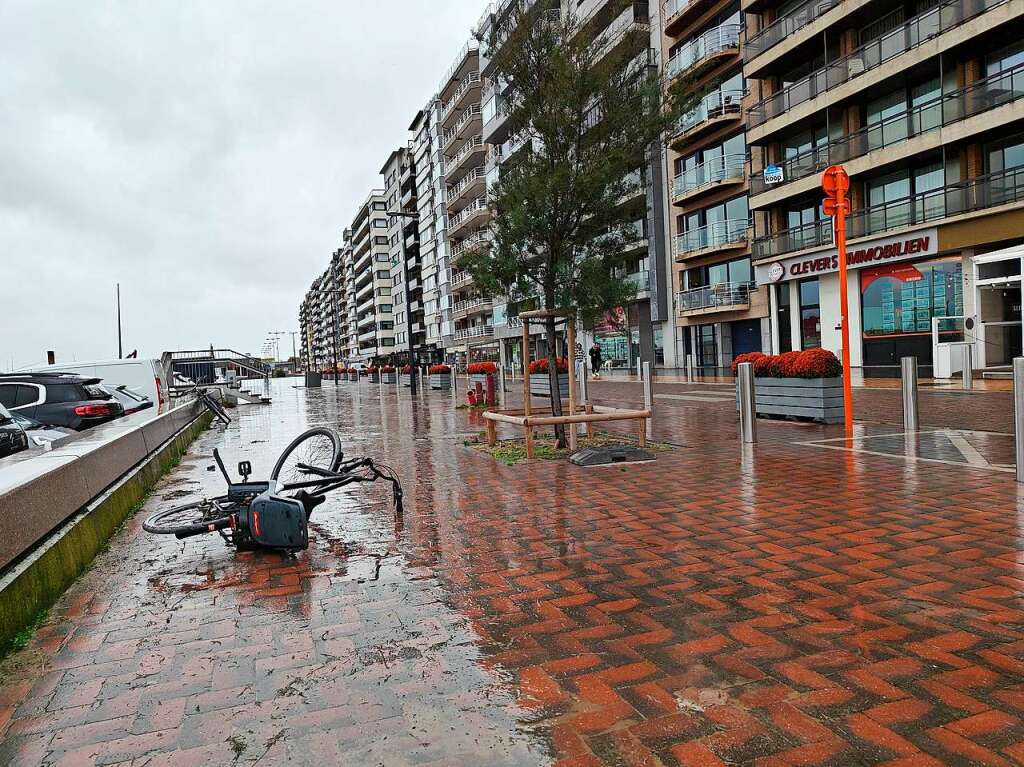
x=747, y=357
x=811, y=363
x=439, y=370
x=481, y=368
x=540, y=366
x=406, y=370
x=388, y=369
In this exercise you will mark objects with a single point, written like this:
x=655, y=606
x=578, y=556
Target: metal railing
x=475, y=144
x=731, y=231
x=456, y=65
x=477, y=331
x=634, y=17
x=464, y=307
x=916, y=31
x=980, y=96
x=473, y=78
x=715, y=40
x=782, y=28
x=452, y=133
x=979, y=193
x=729, y=167
x=640, y=280
x=720, y=296
x=463, y=215
x=474, y=176
x=723, y=103
x=674, y=7
x=469, y=243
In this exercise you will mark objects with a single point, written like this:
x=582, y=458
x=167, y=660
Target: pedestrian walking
x=595, y=360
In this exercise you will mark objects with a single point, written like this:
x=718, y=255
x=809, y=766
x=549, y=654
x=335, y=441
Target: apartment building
x=372, y=282
x=719, y=311
x=920, y=102
x=400, y=192
x=468, y=215
x=431, y=211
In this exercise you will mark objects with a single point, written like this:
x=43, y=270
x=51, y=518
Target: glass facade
x=810, y=314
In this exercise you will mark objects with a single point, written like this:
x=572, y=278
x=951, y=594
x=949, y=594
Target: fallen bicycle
x=274, y=513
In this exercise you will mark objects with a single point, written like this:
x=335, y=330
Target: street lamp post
x=408, y=297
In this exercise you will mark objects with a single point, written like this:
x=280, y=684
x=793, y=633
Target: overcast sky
x=206, y=154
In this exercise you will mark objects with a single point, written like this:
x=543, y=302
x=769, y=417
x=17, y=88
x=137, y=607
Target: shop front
x=896, y=286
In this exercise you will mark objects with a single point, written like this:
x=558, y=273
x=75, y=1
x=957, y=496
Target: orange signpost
x=836, y=183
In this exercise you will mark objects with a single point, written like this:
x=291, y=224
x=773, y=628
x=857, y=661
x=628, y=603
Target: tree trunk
x=554, y=390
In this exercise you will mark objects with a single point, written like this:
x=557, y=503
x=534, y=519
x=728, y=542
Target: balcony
x=715, y=173
x=472, y=306
x=634, y=21
x=475, y=211
x=978, y=97
x=715, y=109
x=640, y=280
x=917, y=31
x=469, y=85
x=470, y=243
x=784, y=27
x=723, y=297
x=496, y=129
x=460, y=280
x=729, y=234
x=476, y=331
x=469, y=118
x=471, y=149
x=369, y=335
x=678, y=12
x=469, y=187
x=976, y=194
x=712, y=45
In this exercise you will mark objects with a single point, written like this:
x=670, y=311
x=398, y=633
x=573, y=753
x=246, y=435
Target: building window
x=810, y=314
x=901, y=299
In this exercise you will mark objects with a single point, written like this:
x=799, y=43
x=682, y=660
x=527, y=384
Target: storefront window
x=900, y=299
x=783, y=317
x=810, y=315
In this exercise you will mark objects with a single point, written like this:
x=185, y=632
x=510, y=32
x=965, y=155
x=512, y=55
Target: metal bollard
x=649, y=398
x=1018, y=415
x=968, y=365
x=908, y=373
x=638, y=373
x=748, y=407
x=689, y=368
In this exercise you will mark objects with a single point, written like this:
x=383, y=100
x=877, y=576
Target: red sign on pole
x=835, y=182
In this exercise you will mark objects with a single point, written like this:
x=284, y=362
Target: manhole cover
x=597, y=456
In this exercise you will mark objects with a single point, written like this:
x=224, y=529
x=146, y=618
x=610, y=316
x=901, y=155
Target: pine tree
x=586, y=118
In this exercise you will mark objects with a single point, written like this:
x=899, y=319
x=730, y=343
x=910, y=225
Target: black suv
x=59, y=399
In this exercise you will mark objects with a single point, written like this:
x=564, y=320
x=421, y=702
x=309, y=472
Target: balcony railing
x=724, y=295
x=722, y=38
x=477, y=331
x=718, y=234
x=475, y=176
x=452, y=133
x=473, y=304
x=980, y=96
x=717, y=170
x=975, y=194
x=782, y=28
x=468, y=244
x=915, y=32
x=640, y=280
x=723, y=103
x=463, y=215
x=470, y=80
x=460, y=279
x=675, y=7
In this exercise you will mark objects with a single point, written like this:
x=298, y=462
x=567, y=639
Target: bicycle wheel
x=190, y=517
x=319, y=448
x=214, y=407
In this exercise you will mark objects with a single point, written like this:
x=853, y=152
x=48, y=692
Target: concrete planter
x=313, y=380
x=388, y=378
x=404, y=379
x=373, y=377
x=818, y=398
x=442, y=381
x=541, y=387
x=353, y=377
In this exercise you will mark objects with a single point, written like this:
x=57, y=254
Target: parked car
x=59, y=399
x=39, y=434
x=142, y=376
x=130, y=400
x=13, y=438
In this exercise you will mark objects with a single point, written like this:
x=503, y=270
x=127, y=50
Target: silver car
x=39, y=435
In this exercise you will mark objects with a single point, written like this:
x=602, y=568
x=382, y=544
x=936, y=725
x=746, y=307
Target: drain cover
x=597, y=456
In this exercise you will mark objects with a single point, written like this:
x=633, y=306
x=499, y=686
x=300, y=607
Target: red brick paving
x=781, y=605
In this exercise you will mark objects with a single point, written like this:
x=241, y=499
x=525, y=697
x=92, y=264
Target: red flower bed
x=388, y=369
x=439, y=370
x=540, y=366
x=481, y=368
x=406, y=370
x=811, y=363
x=353, y=371
x=370, y=371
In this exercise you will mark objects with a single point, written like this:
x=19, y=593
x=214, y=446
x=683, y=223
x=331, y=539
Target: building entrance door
x=1000, y=315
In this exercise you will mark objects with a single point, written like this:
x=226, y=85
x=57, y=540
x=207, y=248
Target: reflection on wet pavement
x=981, y=450
x=779, y=604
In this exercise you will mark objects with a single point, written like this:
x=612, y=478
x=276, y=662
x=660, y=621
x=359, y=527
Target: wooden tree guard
x=589, y=414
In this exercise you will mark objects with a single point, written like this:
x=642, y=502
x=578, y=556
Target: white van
x=140, y=375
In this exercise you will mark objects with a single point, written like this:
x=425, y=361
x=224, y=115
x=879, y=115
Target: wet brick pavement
x=780, y=605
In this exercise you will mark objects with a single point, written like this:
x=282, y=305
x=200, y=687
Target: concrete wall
x=59, y=508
